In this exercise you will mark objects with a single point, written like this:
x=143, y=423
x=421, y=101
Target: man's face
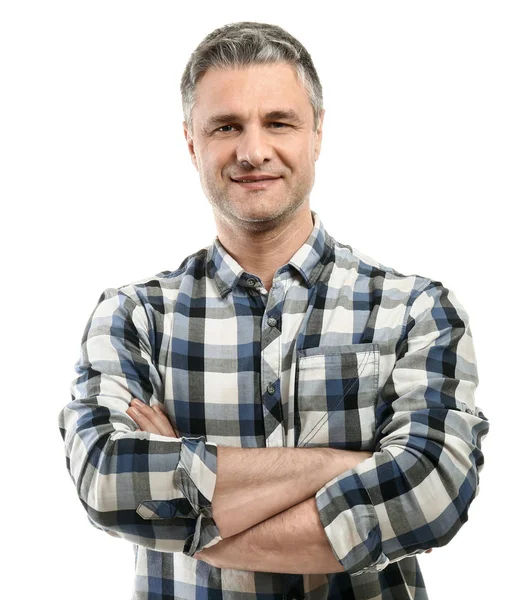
x=248, y=141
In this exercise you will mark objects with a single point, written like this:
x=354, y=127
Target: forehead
x=243, y=90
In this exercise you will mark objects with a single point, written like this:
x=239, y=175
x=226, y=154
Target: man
x=307, y=422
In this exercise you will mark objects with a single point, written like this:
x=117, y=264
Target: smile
x=257, y=185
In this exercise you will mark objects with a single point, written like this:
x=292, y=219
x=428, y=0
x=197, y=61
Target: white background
x=420, y=169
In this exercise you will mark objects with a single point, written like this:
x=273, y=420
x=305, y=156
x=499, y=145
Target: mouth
x=258, y=184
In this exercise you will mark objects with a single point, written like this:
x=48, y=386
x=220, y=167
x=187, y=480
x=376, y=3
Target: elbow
x=456, y=512
x=96, y=488
x=452, y=485
x=104, y=489
x=89, y=465
x=95, y=482
x=459, y=472
x=444, y=480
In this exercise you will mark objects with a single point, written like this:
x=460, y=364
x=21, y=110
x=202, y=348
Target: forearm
x=255, y=484
x=290, y=542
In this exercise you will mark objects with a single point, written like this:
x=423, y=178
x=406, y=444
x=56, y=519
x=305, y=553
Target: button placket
x=271, y=367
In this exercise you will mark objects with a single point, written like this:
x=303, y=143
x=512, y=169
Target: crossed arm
x=412, y=494
x=290, y=542
x=264, y=503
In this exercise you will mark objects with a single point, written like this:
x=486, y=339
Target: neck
x=262, y=253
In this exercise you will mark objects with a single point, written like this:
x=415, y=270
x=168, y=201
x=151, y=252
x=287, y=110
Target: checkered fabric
x=343, y=352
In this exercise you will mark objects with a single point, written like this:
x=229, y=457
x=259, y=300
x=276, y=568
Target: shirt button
x=271, y=389
x=272, y=322
x=251, y=282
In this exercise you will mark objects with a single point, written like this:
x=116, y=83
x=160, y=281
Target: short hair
x=249, y=43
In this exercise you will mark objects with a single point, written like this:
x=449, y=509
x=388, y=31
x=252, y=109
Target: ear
x=318, y=134
x=190, y=142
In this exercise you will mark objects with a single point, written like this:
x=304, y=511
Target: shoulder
x=373, y=274
x=164, y=285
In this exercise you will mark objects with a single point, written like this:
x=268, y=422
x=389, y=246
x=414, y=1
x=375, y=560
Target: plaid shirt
x=343, y=352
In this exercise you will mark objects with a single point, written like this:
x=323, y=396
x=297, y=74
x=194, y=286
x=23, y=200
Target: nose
x=253, y=147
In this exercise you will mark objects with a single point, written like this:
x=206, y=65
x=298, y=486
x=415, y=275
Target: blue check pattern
x=342, y=352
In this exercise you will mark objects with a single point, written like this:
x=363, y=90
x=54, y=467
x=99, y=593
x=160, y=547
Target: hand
x=207, y=558
x=232, y=552
x=151, y=418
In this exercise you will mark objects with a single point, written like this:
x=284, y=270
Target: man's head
x=262, y=84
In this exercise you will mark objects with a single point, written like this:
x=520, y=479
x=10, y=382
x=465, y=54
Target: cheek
x=214, y=166
x=207, y=170
x=305, y=162
x=298, y=156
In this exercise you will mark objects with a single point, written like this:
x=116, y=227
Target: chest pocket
x=335, y=396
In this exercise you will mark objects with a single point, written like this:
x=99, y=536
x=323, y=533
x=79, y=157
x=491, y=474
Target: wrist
x=349, y=459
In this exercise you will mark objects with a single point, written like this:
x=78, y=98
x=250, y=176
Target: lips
x=257, y=184
x=249, y=180
x=254, y=180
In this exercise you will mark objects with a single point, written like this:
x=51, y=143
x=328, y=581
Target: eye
x=221, y=129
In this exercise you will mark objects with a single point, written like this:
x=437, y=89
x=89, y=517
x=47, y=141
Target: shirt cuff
x=351, y=524
x=196, y=476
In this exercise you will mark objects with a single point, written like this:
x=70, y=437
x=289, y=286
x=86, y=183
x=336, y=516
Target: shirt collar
x=308, y=260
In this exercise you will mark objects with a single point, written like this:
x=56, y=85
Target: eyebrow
x=274, y=115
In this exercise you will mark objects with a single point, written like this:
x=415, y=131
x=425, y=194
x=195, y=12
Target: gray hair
x=249, y=43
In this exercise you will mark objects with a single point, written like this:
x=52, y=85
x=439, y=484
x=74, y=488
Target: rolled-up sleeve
x=152, y=490
x=414, y=492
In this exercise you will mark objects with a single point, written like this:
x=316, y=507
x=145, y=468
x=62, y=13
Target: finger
x=158, y=408
x=157, y=418
x=144, y=422
x=135, y=416
x=151, y=418
x=163, y=421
